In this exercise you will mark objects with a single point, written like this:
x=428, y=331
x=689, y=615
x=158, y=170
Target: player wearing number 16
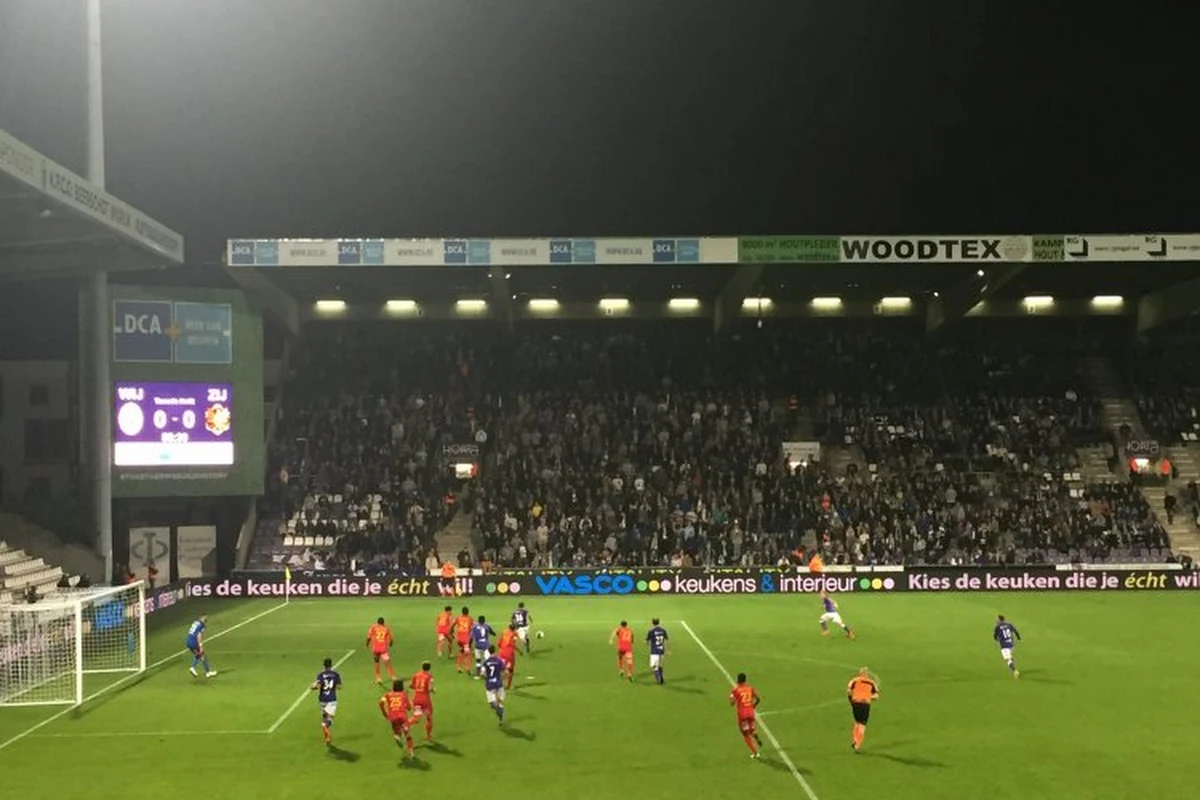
x=379, y=639
x=195, y=644
x=326, y=686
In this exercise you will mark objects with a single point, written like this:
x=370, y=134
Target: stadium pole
x=99, y=322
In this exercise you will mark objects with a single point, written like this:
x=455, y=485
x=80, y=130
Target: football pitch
x=1100, y=710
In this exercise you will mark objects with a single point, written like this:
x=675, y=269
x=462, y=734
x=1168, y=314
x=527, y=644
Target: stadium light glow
x=470, y=306
x=757, y=303
x=614, y=304
x=1034, y=301
x=330, y=306
x=1108, y=301
x=683, y=304
x=827, y=303
x=896, y=302
x=401, y=306
x=543, y=304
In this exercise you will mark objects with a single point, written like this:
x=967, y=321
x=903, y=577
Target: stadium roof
x=53, y=222
x=1155, y=274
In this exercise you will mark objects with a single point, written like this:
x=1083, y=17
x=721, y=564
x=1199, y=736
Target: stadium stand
x=20, y=571
x=633, y=443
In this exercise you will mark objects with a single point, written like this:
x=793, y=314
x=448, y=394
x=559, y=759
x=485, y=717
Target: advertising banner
x=195, y=551
x=723, y=581
x=936, y=249
x=148, y=545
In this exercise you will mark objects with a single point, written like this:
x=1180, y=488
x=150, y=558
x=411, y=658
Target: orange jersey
x=507, y=640
x=624, y=640
x=862, y=690
x=444, y=621
x=421, y=685
x=448, y=571
x=380, y=638
x=744, y=700
x=395, y=705
x=462, y=626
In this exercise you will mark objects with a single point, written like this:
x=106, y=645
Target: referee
x=861, y=691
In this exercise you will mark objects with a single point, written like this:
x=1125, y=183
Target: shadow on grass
x=529, y=685
x=521, y=693
x=415, y=764
x=908, y=761
x=1039, y=676
x=441, y=749
x=338, y=754
x=776, y=764
x=517, y=733
x=674, y=685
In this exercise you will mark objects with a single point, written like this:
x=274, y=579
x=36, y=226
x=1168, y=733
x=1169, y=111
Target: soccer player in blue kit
x=481, y=641
x=195, y=645
x=326, y=686
x=521, y=621
x=493, y=682
x=1007, y=636
x=657, y=637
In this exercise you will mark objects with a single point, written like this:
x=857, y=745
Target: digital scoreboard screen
x=173, y=424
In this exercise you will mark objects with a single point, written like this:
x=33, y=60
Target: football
x=541, y=634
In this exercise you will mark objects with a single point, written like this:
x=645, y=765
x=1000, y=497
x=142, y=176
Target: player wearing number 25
x=326, y=686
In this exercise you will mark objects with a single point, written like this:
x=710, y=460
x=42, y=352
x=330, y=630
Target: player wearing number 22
x=396, y=706
x=326, y=686
x=379, y=639
x=1007, y=636
x=745, y=700
x=195, y=645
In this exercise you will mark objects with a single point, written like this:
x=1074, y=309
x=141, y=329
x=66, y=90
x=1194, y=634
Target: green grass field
x=1099, y=712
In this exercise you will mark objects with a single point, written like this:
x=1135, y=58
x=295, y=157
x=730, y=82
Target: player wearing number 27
x=195, y=645
x=1007, y=636
x=379, y=639
x=326, y=686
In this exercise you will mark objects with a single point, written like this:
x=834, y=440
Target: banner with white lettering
x=196, y=551
x=936, y=249
x=148, y=546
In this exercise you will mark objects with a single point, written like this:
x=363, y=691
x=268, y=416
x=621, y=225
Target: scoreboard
x=173, y=424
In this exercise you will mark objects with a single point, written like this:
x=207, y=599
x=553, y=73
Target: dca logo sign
x=585, y=584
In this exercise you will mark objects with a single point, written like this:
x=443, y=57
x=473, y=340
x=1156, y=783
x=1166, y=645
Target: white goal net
x=49, y=646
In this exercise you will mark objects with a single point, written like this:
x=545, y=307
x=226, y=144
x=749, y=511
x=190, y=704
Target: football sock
x=376, y=672
x=750, y=742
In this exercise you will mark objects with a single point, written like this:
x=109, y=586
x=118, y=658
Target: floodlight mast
x=101, y=407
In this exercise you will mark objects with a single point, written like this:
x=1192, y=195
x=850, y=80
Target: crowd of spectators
x=1166, y=376
x=658, y=443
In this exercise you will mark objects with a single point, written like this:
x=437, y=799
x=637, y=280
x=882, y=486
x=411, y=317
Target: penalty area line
x=151, y=734
x=283, y=717
x=808, y=790
x=131, y=676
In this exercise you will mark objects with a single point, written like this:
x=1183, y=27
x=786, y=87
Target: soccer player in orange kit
x=624, y=638
x=745, y=701
x=379, y=639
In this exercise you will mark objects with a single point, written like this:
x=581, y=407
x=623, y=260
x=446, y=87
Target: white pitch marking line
x=130, y=677
x=153, y=734
x=304, y=696
x=771, y=736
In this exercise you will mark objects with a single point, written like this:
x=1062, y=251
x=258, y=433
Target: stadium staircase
x=1185, y=540
x=458, y=535
x=837, y=458
x=46, y=547
x=19, y=571
x=1094, y=463
x=1116, y=408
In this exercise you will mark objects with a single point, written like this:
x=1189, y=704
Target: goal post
x=47, y=648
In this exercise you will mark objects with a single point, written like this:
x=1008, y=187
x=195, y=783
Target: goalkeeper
x=195, y=644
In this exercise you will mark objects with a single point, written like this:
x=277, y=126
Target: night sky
x=574, y=117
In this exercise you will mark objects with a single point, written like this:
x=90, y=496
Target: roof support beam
x=729, y=299
x=276, y=301
x=1169, y=304
x=957, y=301
x=502, y=298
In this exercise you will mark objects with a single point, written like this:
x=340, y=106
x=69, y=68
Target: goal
x=47, y=647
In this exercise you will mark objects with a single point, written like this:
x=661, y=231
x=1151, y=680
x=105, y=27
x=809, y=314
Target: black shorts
x=861, y=711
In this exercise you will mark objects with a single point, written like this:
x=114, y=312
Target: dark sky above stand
x=581, y=117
